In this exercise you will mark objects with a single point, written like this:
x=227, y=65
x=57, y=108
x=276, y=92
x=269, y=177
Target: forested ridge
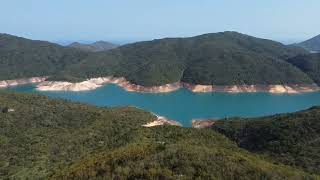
x=309, y=64
x=94, y=47
x=23, y=58
x=226, y=58
x=291, y=139
x=312, y=44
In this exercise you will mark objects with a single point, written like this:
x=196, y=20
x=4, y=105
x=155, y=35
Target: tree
x=5, y=110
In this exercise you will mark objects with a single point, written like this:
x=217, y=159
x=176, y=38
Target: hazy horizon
x=133, y=40
x=126, y=21
x=128, y=41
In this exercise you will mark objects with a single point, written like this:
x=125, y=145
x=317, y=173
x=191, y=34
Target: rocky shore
x=9, y=83
x=94, y=83
x=160, y=121
x=202, y=124
x=275, y=89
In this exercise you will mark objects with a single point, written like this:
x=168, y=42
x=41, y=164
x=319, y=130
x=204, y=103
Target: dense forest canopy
x=22, y=58
x=291, y=139
x=312, y=44
x=219, y=58
x=45, y=138
x=309, y=64
x=94, y=47
x=226, y=58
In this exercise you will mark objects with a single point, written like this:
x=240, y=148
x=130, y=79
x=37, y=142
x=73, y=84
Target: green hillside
x=94, y=47
x=226, y=58
x=21, y=58
x=55, y=139
x=310, y=64
x=312, y=44
x=291, y=139
x=219, y=58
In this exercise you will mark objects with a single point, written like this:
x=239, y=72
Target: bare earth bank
x=15, y=82
x=94, y=83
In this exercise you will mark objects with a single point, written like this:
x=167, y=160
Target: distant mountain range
x=226, y=58
x=94, y=47
x=312, y=45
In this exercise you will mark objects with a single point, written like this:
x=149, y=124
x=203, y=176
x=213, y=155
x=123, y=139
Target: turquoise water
x=183, y=105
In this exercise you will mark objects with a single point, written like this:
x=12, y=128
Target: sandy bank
x=162, y=121
x=94, y=83
x=15, y=82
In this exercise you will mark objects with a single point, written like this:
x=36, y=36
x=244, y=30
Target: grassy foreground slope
x=55, y=139
x=225, y=58
x=22, y=58
x=310, y=64
x=292, y=139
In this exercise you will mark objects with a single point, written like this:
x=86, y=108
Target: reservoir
x=184, y=106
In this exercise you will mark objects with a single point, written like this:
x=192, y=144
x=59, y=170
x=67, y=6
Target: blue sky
x=133, y=20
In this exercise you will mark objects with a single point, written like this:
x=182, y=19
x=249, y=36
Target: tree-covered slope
x=312, y=44
x=310, y=64
x=94, y=47
x=219, y=58
x=21, y=58
x=44, y=138
x=227, y=58
x=292, y=139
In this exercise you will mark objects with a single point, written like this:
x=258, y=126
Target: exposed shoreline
x=95, y=83
x=202, y=123
x=161, y=121
x=22, y=81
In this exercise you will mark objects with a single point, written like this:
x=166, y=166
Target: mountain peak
x=94, y=47
x=312, y=44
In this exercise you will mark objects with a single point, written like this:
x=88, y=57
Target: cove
x=184, y=105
